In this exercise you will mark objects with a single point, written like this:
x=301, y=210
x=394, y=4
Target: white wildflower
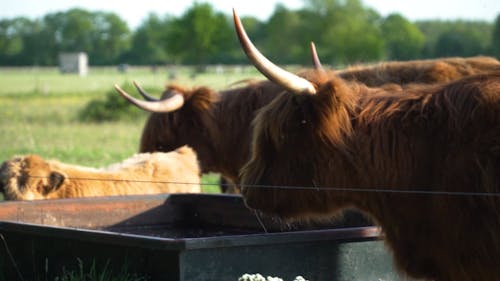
x=258, y=277
x=252, y=277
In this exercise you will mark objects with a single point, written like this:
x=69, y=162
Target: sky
x=133, y=12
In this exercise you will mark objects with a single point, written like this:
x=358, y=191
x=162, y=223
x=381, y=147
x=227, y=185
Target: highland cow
x=32, y=177
x=217, y=123
x=423, y=162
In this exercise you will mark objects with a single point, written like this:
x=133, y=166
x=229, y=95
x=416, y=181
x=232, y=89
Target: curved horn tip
x=235, y=15
x=122, y=92
x=274, y=73
x=313, y=48
x=136, y=84
x=118, y=88
x=315, y=59
x=143, y=93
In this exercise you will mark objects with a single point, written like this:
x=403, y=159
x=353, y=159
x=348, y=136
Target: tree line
x=345, y=31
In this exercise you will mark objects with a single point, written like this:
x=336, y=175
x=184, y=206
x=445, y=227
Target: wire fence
x=401, y=190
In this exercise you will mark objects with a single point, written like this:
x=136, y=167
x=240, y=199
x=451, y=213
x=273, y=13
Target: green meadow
x=39, y=110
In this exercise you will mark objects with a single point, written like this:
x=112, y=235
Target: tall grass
x=47, y=126
x=92, y=273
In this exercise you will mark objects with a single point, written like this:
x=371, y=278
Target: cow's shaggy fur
x=32, y=177
x=217, y=124
x=429, y=71
x=423, y=162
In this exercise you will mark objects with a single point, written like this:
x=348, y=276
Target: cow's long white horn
x=315, y=59
x=274, y=73
x=143, y=93
x=162, y=106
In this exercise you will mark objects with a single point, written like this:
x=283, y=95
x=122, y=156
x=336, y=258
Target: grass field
x=39, y=108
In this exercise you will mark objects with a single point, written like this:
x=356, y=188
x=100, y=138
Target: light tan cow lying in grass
x=32, y=178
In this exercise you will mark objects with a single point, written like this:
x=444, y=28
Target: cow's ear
x=56, y=179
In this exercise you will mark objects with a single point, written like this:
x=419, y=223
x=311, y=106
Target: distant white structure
x=74, y=63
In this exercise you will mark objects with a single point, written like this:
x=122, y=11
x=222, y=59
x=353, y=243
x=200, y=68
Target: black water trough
x=182, y=237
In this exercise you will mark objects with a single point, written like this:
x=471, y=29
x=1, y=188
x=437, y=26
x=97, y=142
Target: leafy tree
x=16, y=41
x=33, y=44
x=149, y=41
x=51, y=44
x=283, y=42
x=110, y=39
x=349, y=31
x=472, y=37
x=103, y=35
x=68, y=31
x=403, y=40
x=76, y=31
x=199, y=35
x=10, y=41
x=495, y=41
x=461, y=42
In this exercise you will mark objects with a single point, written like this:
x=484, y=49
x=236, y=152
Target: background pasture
x=40, y=107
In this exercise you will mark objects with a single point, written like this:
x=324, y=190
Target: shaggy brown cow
x=32, y=178
x=217, y=124
x=423, y=162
